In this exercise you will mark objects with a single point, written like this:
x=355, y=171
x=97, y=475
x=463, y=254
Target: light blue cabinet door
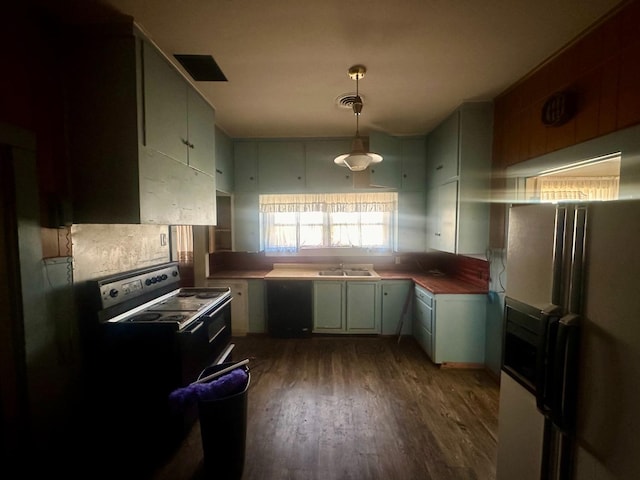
x=388, y=172
x=257, y=306
x=414, y=164
x=329, y=307
x=224, y=162
x=165, y=106
x=362, y=314
x=443, y=150
x=281, y=166
x=201, y=129
x=245, y=166
x=459, y=329
x=394, y=296
x=322, y=174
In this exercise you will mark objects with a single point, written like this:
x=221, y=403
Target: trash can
x=223, y=429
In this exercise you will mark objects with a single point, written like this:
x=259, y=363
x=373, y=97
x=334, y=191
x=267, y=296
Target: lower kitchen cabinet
x=239, y=304
x=394, y=294
x=450, y=327
x=423, y=320
x=345, y=307
x=257, y=321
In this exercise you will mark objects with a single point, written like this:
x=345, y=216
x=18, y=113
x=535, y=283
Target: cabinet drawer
x=424, y=315
x=424, y=296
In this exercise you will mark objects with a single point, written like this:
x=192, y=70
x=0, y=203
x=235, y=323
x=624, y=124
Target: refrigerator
x=570, y=377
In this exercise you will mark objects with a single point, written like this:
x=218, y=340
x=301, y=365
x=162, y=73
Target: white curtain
x=578, y=188
x=184, y=243
x=330, y=202
x=295, y=221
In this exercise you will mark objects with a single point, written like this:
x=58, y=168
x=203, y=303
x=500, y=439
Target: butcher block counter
x=435, y=282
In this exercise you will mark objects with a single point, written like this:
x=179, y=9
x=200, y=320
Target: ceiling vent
x=202, y=68
x=346, y=100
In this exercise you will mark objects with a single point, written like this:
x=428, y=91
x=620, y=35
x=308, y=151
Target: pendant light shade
x=359, y=158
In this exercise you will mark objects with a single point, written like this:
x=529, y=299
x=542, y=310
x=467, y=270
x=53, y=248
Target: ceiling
x=286, y=61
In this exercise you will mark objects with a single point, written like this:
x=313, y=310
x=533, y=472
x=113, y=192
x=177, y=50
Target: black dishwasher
x=289, y=308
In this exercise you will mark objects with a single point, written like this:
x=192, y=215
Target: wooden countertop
x=435, y=284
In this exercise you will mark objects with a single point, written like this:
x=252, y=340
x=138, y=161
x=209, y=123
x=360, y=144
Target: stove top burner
x=145, y=317
x=208, y=295
x=174, y=318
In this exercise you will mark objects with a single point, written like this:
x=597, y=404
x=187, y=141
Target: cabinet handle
x=385, y=293
x=373, y=171
x=239, y=293
x=219, y=171
x=437, y=234
x=250, y=178
x=299, y=178
x=184, y=141
x=439, y=167
x=190, y=145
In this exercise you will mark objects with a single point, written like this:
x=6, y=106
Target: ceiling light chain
x=359, y=159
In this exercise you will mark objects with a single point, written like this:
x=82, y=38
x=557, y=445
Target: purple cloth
x=228, y=384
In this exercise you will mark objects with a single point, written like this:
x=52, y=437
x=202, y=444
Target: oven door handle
x=194, y=327
x=217, y=310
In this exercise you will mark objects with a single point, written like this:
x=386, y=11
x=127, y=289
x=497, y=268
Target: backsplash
x=100, y=250
x=470, y=269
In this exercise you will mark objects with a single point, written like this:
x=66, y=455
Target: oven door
x=205, y=341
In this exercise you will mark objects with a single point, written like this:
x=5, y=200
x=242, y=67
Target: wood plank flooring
x=361, y=408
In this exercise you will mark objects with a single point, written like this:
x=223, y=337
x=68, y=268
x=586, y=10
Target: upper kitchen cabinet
x=404, y=162
x=281, y=166
x=414, y=164
x=179, y=123
x=322, y=174
x=386, y=173
x=120, y=173
x=459, y=170
x=224, y=162
x=245, y=166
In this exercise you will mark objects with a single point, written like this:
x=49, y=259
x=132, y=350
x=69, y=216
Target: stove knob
x=158, y=278
x=174, y=273
x=154, y=279
x=113, y=293
x=147, y=282
x=164, y=276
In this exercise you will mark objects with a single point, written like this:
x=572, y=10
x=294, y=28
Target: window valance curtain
x=579, y=188
x=329, y=202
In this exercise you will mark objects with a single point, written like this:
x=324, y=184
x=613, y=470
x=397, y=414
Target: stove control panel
x=121, y=288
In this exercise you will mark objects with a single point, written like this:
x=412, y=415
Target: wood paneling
x=602, y=68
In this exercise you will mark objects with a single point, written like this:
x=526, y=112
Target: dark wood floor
x=356, y=408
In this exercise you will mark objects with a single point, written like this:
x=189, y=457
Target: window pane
x=311, y=236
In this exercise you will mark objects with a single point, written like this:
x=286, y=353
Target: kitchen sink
x=357, y=273
x=345, y=273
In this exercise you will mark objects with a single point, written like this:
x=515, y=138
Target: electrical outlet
x=163, y=239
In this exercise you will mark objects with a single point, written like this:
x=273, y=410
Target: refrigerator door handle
x=577, y=260
x=549, y=319
x=558, y=255
x=565, y=375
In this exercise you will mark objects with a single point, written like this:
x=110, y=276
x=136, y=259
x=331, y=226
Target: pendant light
x=359, y=158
